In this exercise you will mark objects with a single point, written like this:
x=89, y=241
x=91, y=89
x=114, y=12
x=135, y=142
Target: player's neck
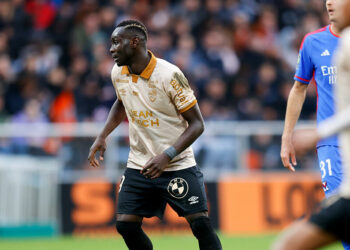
x=335, y=29
x=140, y=62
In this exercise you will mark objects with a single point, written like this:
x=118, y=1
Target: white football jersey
x=154, y=101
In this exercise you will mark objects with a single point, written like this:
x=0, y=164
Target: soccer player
x=332, y=223
x=164, y=120
x=315, y=61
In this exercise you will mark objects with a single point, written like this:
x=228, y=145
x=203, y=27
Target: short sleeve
x=114, y=80
x=305, y=66
x=180, y=92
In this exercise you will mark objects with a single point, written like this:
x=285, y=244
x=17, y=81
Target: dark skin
x=130, y=49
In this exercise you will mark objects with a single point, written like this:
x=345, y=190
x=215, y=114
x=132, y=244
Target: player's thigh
x=303, y=235
x=330, y=163
x=137, y=196
x=184, y=191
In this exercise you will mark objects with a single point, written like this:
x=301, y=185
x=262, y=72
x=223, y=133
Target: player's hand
x=99, y=145
x=155, y=166
x=288, y=154
x=304, y=140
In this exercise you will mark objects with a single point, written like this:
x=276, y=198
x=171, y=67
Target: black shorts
x=335, y=219
x=183, y=190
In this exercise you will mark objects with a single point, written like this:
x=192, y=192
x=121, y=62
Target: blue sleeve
x=305, y=67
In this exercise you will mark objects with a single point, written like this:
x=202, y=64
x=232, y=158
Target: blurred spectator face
x=186, y=43
x=108, y=16
x=240, y=89
x=5, y=67
x=165, y=41
x=269, y=19
x=207, y=108
x=57, y=76
x=332, y=10
x=123, y=4
x=3, y=42
x=80, y=65
x=32, y=109
x=99, y=51
x=91, y=23
x=182, y=59
x=295, y=3
x=71, y=83
x=214, y=39
x=182, y=26
x=191, y=5
x=216, y=89
x=267, y=73
x=213, y=6
x=310, y=23
x=105, y=66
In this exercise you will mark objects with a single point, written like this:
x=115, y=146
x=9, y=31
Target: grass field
x=160, y=242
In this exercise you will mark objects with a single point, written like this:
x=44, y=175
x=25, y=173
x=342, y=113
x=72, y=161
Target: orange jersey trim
x=189, y=106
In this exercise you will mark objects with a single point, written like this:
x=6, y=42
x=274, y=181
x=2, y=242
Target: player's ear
x=134, y=42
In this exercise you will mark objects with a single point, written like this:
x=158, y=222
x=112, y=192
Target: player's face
x=120, y=47
x=343, y=16
x=332, y=10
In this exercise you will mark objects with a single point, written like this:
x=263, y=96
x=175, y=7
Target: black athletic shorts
x=335, y=219
x=183, y=190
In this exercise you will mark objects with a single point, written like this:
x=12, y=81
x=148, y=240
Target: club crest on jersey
x=178, y=188
x=152, y=95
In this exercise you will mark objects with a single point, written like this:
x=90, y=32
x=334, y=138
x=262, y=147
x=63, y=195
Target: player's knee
x=126, y=228
x=204, y=232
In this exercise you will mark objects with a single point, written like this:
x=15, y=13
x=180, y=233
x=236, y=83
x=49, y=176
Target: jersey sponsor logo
x=144, y=118
x=179, y=83
x=178, y=188
x=325, y=53
x=193, y=200
x=330, y=72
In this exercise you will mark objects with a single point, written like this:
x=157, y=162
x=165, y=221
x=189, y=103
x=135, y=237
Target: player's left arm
x=155, y=166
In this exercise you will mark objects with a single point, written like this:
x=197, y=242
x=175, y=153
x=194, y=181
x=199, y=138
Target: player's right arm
x=115, y=117
x=303, y=75
x=294, y=105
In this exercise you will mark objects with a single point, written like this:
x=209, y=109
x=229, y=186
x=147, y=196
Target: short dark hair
x=135, y=26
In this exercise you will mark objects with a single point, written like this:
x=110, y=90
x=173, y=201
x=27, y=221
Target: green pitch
x=160, y=242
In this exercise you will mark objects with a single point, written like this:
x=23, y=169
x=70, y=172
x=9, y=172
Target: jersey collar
x=147, y=72
x=330, y=30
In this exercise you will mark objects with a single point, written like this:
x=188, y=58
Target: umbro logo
x=193, y=200
x=325, y=53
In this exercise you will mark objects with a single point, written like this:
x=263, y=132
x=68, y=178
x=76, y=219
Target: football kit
x=335, y=218
x=153, y=102
x=316, y=61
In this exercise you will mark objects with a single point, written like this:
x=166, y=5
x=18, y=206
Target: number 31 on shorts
x=325, y=167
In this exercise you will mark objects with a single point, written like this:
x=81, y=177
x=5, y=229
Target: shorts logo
x=325, y=186
x=178, y=188
x=193, y=200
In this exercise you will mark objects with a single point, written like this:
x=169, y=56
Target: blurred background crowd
x=239, y=56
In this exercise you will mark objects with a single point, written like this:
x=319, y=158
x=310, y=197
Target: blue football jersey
x=315, y=61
